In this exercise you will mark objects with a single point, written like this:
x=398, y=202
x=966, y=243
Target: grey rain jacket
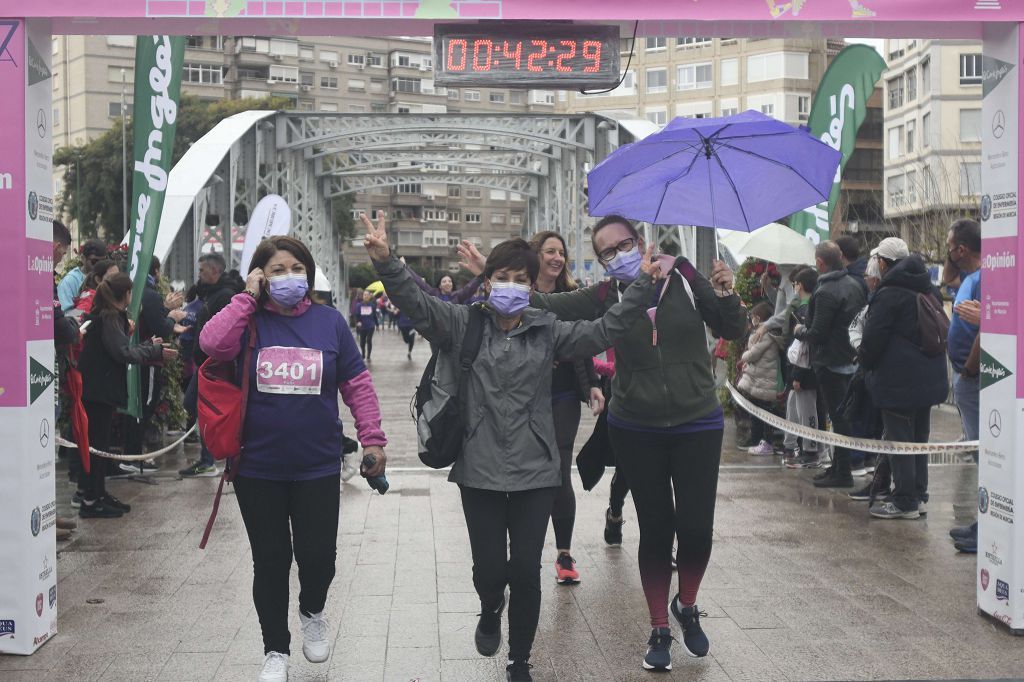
x=510, y=435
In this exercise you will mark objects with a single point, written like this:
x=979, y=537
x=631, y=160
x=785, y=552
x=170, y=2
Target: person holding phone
x=289, y=482
x=106, y=354
x=509, y=470
x=665, y=423
x=571, y=383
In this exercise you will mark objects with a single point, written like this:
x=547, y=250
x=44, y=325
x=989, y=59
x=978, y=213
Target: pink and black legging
x=674, y=480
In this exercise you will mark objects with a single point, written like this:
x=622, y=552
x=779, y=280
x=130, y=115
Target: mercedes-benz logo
x=999, y=124
x=995, y=423
x=41, y=123
x=44, y=432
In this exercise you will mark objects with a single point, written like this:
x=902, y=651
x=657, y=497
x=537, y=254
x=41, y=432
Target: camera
x=378, y=483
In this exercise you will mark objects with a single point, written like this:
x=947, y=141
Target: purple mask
x=508, y=298
x=288, y=290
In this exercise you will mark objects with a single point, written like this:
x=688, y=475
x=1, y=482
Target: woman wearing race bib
x=508, y=470
x=290, y=466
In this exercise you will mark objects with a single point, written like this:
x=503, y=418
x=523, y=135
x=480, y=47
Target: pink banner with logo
x=999, y=290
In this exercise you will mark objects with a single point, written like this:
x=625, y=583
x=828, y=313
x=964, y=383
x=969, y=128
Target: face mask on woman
x=288, y=290
x=508, y=298
x=625, y=266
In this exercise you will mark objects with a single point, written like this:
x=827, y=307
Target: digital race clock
x=526, y=54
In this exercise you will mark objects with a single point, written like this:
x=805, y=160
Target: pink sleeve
x=606, y=368
x=361, y=398
x=221, y=337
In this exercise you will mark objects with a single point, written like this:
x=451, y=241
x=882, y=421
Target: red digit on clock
x=452, y=65
x=518, y=54
x=542, y=51
x=592, y=51
x=489, y=46
x=571, y=44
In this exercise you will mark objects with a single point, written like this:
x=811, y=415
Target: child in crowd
x=761, y=373
x=802, y=401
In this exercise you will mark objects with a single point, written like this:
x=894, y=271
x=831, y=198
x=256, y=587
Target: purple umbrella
x=738, y=173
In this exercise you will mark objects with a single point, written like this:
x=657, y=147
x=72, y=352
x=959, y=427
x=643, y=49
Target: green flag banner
x=839, y=108
x=158, y=63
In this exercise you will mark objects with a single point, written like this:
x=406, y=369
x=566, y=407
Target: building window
x=329, y=82
x=307, y=78
x=768, y=109
x=895, y=142
x=970, y=125
x=403, y=110
x=803, y=107
x=729, y=71
x=970, y=69
x=894, y=86
x=379, y=107
x=356, y=85
x=693, y=42
x=454, y=216
x=114, y=109
x=497, y=97
x=896, y=187
x=472, y=217
x=911, y=79
x=203, y=74
x=194, y=42
x=409, y=238
x=655, y=44
x=497, y=219
x=329, y=56
x=471, y=95
x=401, y=60
x=911, y=125
x=406, y=85
x=516, y=97
x=473, y=193
x=355, y=108
x=434, y=214
x=284, y=74
x=329, y=107
x=926, y=131
x=911, y=186
x=926, y=76
x=693, y=77
x=453, y=93
x=775, y=65
x=970, y=179
x=627, y=86
x=306, y=53
x=375, y=60
x=729, y=111
x=657, y=80
x=115, y=75
x=657, y=116
x=515, y=219
x=409, y=188
x=454, y=191
x=357, y=59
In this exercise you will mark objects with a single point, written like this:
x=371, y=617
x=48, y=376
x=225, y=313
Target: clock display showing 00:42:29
x=535, y=56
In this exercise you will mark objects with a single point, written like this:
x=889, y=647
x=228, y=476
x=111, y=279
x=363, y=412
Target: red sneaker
x=565, y=570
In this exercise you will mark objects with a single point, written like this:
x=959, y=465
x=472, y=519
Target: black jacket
x=834, y=304
x=898, y=374
x=215, y=296
x=153, y=320
x=65, y=329
x=105, y=358
x=856, y=269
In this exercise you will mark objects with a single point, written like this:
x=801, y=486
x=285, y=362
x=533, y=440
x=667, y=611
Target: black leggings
x=618, y=492
x=101, y=422
x=658, y=465
x=409, y=336
x=566, y=414
x=516, y=522
x=366, y=342
x=311, y=507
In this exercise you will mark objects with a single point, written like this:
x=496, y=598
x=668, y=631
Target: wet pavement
x=802, y=585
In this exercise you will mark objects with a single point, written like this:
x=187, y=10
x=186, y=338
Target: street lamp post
x=124, y=157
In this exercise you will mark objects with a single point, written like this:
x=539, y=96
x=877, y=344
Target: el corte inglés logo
x=992, y=371
x=39, y=379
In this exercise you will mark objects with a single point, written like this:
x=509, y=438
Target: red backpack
x=221, y=415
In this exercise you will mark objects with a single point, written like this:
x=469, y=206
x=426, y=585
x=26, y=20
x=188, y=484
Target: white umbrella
x=774, y=243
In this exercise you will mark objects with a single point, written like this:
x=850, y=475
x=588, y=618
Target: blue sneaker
x=694, y=640
x=659, y=654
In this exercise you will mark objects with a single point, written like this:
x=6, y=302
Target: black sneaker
x=518, y=671
x=824, y=474
x=138, y=467
x=964, y=532
x=488, y=629
x=612, y=528
x=76, y=500
x=659, y=654
x=834, y=480
x=805, y=460
x=865, y=494
x=967, y=545
x=695, y=642
x=97, y=510
x=114, y=503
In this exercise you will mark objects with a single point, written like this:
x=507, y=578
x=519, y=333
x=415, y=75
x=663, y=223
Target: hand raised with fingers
x=650, y=264
x=376, y=240
x=470, y=257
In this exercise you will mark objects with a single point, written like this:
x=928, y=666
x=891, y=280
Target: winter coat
x=761, y=360
x=105, y=357
x=835, y=302
x=215, y=298
x=509, y=443
x=899, y=375
x=857, y=270
x=670, y=383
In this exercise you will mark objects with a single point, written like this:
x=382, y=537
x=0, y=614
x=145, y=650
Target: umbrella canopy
x=375, y=288
x=737, y=173
x=774, y=243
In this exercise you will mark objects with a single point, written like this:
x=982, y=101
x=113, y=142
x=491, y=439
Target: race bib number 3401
x=294, y=371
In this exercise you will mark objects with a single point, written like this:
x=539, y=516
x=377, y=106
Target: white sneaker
x=275, y=668
x=316, y=645
x=350, y=467
x=859, y=472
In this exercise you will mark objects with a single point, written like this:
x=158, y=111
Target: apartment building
x=932, y=136
x=346, y=75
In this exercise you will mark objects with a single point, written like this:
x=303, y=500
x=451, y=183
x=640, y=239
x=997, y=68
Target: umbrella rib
x=647, y=167
x=739, y=199
x=664, y=192
x=774, y=161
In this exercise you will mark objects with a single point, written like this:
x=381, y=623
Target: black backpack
x=932, y=325
x=438, y=415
